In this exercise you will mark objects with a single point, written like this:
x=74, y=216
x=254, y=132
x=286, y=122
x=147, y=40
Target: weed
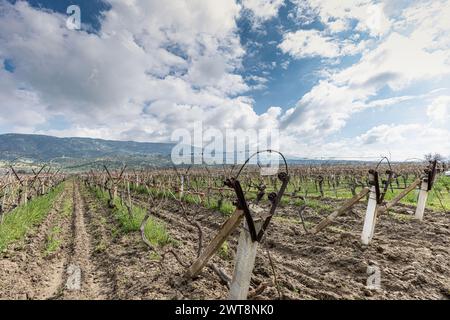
x=155, y=230
x=224, y=251
x=53, y=242
x=18, y=223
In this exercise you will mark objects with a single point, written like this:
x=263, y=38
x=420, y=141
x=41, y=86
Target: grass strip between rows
x=155, y=230
x=19, y=222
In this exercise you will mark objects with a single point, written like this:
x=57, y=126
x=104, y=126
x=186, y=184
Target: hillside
x=40, y=148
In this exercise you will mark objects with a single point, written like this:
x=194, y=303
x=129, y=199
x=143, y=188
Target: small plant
x=224, y=251
x=101, y=247
x=156, y=233
x=154, y=256
x=52, y=242
x=67, y=207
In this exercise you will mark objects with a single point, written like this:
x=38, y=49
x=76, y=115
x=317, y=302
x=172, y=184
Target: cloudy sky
x=347, y=78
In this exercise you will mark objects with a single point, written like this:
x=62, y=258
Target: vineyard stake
x=245, y=262
x=425, y=187
x=369, y=222
x=397, y=199
x=182, y=187
x=350, y=203
x=423, y=196
x=25, y=199
x=129, y=194
x=227, y=228
x=371, y=212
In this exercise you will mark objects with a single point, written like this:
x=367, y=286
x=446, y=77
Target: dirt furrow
x=84, y=277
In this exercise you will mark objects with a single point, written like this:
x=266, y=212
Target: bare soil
x=413, y=257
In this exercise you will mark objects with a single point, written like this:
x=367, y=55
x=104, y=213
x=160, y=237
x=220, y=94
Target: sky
x=338, y=79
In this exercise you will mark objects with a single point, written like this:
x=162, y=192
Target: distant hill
x=81, y=154
x=42, y=148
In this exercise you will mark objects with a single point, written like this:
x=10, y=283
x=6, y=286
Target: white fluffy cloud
x=439, y=111
x=313, y=43
x=399, y=142
x=154, y=68
x=339, y=15
x=398, y=60
x=263, y=10
x=406, y=141
x=324, y=110
x=19, y=105
x=150, y=69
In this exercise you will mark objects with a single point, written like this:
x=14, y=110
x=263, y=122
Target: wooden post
x=399, y=197
x=245, y=262
x=421, y=203
x=328, y=220
x=370, y=220
x=227, y=228
x=371, y=212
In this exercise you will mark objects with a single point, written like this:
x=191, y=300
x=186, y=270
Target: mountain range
x=80, y=151
x=87, y=153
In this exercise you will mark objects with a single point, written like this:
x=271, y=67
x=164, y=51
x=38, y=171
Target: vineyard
x=322, y=231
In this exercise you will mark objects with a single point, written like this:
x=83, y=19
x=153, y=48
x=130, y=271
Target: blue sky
x=350, y=78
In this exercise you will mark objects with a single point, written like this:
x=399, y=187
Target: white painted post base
x=371, y=217
x=245, y=262
x=182, y=188
x=25, y=200
x=421, y=203
x=115, y=193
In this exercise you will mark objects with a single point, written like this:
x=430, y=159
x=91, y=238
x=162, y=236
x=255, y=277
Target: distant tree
x=433, y=157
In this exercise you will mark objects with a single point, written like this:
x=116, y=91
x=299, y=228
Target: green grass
x=67, y=207
x=439, y=191
x=317, y=205
x=18, y=223
x=53, y=241
x=286, y=220
x=227, y=207
x=155, y=230
x=189, y=198
x=342, y=192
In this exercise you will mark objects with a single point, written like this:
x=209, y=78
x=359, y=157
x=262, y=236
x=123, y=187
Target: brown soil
x=413, y=257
